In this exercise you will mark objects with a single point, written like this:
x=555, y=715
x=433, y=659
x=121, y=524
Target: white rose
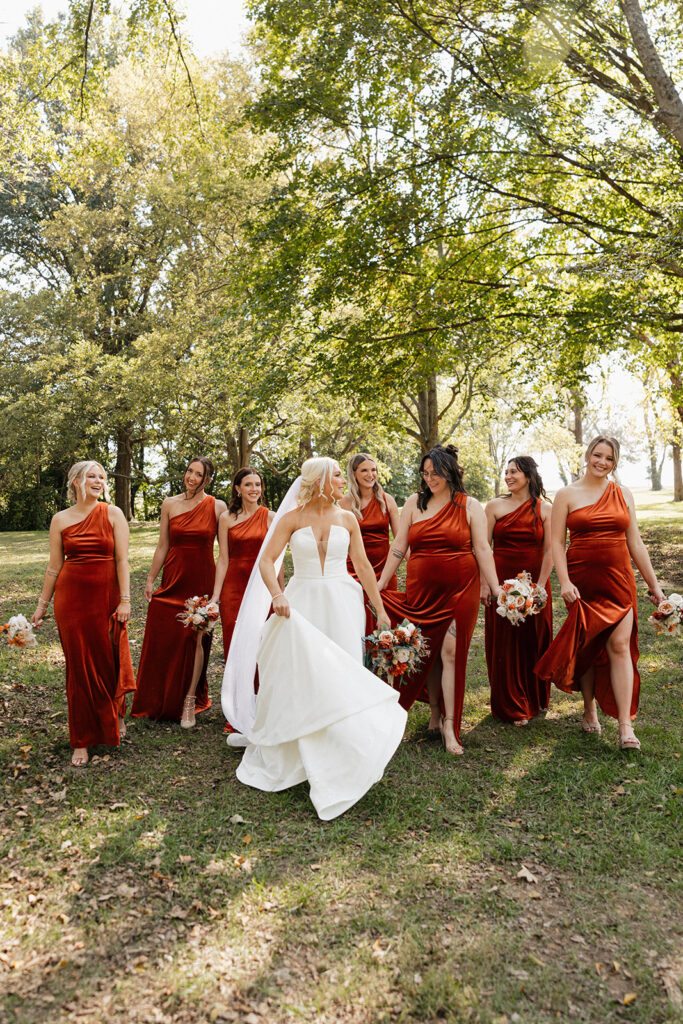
x=502, y=610
x=197, y=619
x=402, y=656
x=386, y=634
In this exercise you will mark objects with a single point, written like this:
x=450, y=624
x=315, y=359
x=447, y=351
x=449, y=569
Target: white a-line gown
x=320, y=715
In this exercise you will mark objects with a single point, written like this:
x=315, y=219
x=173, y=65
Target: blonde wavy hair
x=78, y=472
x=354, y=490
x=315, y=474
x=604, y=439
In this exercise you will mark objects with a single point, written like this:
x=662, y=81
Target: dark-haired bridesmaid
x=88, y=574
x=446, y=531
x=376, y=512
x=596, y=649
x=519, y=526
x=171, y=682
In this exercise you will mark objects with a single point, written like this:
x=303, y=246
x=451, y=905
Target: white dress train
x=320, y=715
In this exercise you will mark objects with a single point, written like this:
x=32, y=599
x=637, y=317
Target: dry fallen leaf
x=237, y=819
x=246, y=839
x=525, y=874
x=629, y=998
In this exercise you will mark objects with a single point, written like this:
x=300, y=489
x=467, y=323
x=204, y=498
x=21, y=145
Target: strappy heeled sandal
x=628, y=742
x=188, y=719
x=591, y=727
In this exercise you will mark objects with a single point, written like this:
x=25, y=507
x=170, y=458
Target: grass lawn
x=153, y=887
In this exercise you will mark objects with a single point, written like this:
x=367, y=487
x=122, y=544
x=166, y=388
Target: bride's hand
x=281, y=606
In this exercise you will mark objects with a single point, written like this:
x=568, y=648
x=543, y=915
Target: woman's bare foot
x=520, y=721
x=187, y=720
x=448, y=736
x=79, y=758
x=122, y=728
x=434, y=718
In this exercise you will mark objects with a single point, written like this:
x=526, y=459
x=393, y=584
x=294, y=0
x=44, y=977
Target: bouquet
x=519, y=598
x=392, y=654
x=200, y=614
x=19, y=632
x=669, y=615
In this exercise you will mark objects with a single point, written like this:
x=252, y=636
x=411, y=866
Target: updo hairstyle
x=604, y=439
x=354, y=490
x=235, y=505
x=76, y=480
x=444, y=459
x=315, y=475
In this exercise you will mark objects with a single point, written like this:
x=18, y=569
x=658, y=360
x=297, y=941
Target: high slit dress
x=99, y=672
x=374, y=529
x=168, y=648
x=442, y=585
x=244, y=543
x=599, y=565
x=512, y=651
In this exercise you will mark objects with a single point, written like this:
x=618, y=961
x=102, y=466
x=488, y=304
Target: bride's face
x=336, y=484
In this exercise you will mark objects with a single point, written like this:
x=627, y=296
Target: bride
x=319, y=714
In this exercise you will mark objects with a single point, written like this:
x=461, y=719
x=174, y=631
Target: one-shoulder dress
x=244, y=543
x=99, y=672
x=512, y=651
x=599, y=564
x=374, y=529
x=168, y=648
x=442, y=585
x=320, y=715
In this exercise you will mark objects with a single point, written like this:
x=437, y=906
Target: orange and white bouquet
x=200, y=614
x=19, y=632
x=669, y=615
x=519, y=598
x=392, y=654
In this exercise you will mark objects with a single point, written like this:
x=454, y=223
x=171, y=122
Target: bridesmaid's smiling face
x=94, y=481
x=250, y=488
x=515, y=480
x=366, y=474
x=436, y=484
x=601, y=459
x=194, y=477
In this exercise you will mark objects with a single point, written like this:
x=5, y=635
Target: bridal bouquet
x=393, y=654
x=19, y=632
x=519, y=598
x=669, y=615
x=200, y=614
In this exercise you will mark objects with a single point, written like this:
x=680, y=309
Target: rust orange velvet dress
x=599, y=565
x=244, y=543
x=374, y=529
x=99, y=672
x=512, y=651
x=168, y=649
x=442, y=584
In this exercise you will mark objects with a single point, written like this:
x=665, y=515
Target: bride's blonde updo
x=76, y=479
x=315, y=474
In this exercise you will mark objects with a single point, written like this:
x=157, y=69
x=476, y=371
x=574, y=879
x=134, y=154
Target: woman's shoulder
x=347, y=519
x=498, y=506
x=390, y=500
x=115, y=515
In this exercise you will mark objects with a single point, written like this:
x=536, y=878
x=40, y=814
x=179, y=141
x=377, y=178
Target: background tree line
x=411, y=222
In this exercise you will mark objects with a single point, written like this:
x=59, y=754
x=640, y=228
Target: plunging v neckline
x=318, y=544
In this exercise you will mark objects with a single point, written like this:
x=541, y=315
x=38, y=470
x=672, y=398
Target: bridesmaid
x=172, y=671
x=446, y=532
x=375, y=511
x=88, y=574
x=596, y=650
x=519, y=526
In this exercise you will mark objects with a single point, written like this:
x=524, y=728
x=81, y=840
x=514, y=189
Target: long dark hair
x=445, y=462
x=208, y=469
x=525, y=464
x=235, y=505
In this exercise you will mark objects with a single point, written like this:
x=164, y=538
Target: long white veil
x=237, y=694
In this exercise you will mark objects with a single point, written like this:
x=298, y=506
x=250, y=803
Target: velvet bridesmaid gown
x=99, y=672
x=374, y=529
x=599, y=564
x=512, y=651
x=168, y=648
x=244, y=543
x=442, y=584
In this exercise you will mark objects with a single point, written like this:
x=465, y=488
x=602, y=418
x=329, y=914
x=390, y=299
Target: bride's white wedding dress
x=320, y=715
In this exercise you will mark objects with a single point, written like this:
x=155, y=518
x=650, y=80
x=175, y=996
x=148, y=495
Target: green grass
x=153, y=887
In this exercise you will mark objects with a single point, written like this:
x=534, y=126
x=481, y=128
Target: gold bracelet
x=124, y=597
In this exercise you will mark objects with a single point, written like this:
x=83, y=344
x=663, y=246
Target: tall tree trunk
x=577, y=428
x=678, y=475
x=670, y=105
x=655, y=473
x=122, y=473
x=244, y=447
x=428, y=415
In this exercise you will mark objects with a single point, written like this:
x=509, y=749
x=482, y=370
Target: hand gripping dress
x=168, y=648
x=599, y=564
x=512, y=651
x=320, y=715
x=99, y=672
x=374, y=529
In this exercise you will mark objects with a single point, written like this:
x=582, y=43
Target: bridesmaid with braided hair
x=519, y=527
